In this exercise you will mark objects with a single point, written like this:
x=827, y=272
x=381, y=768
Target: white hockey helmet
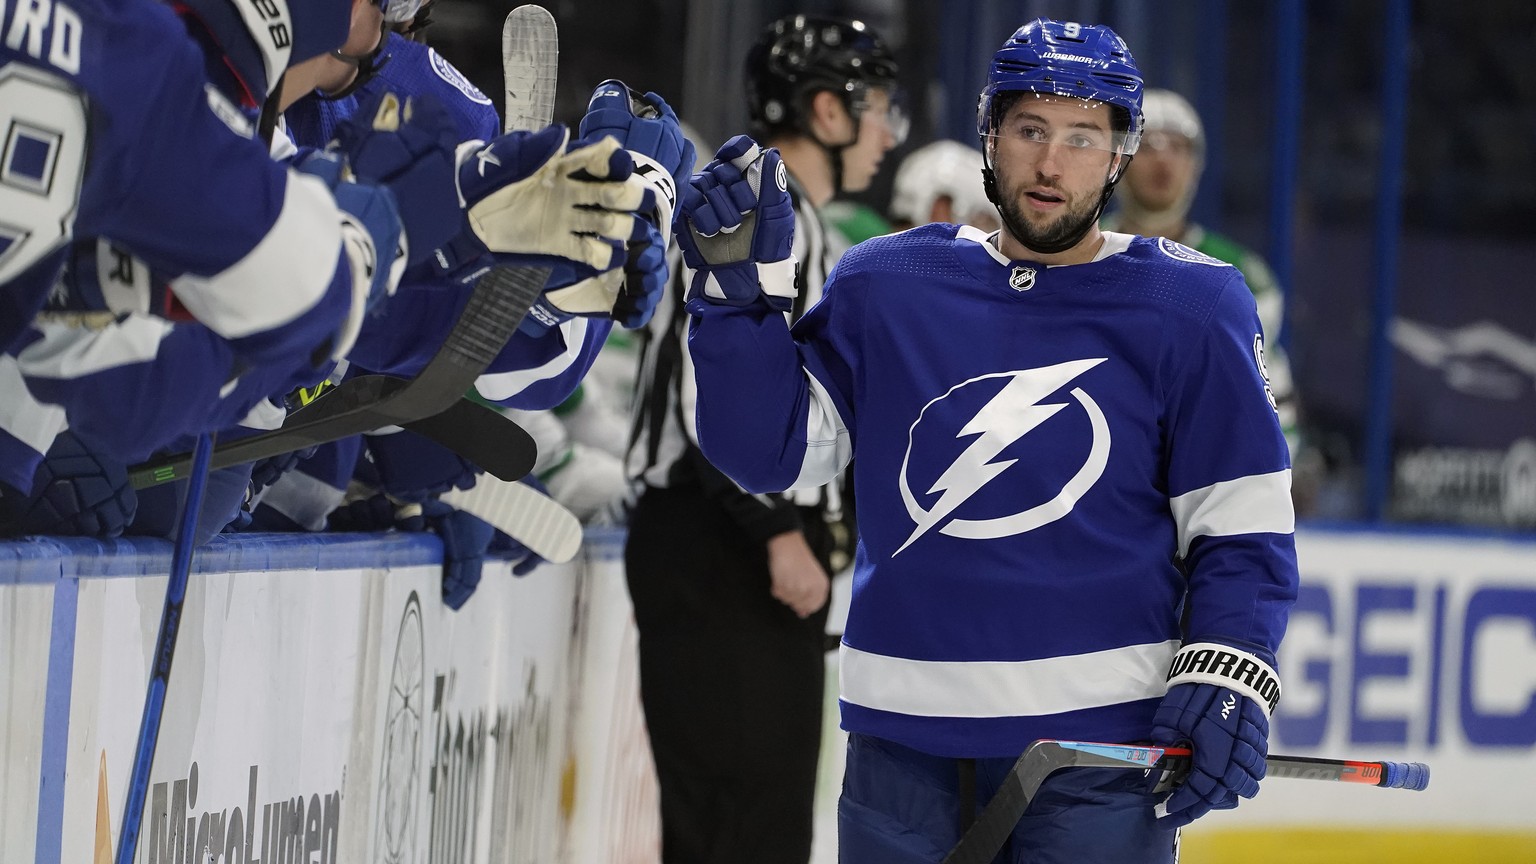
x=943, y=168
x=1168, y=112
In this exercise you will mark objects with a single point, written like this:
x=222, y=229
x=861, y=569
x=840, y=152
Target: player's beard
x=1063, y=232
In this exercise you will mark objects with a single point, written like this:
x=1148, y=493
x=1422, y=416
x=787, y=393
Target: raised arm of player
x=774, y=412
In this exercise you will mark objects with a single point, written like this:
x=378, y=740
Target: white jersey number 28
x=42, y=163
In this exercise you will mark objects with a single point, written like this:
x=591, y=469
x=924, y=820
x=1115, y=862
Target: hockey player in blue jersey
x=1074, y=509
x=252, y=72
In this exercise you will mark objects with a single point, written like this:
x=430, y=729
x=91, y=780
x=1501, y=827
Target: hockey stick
x=165, y=648
x=530, y=50
x=523, y=513
x=530, y=62
x=497, y=305
x=1043, y=758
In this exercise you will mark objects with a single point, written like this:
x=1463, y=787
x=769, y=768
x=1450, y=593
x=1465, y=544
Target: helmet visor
x=1082, y=135
x=894, y=115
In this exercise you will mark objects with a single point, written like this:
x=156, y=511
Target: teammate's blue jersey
x=412, y=68
x=529, y=373
x=1033, y=448
x=114, y=131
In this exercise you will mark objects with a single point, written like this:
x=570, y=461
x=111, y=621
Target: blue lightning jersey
x=115, y=131
x=1051, y=464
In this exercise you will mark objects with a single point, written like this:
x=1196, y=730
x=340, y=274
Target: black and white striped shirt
x=663, y=448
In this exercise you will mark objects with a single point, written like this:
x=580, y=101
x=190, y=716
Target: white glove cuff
x=660, y=181
x=777, y=278
x=362, y=260
x=1212, y=663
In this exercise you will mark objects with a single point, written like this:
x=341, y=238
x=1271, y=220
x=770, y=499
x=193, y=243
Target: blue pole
x=1210, y=102
x=1290, y=40
x=1389, y=189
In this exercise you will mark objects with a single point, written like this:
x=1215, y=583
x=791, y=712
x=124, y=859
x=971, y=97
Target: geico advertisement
x=1409, y=648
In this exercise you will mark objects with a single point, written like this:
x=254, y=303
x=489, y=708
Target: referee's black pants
x=731, y=682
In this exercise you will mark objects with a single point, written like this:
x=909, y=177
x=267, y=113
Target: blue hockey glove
x=412, y=468
x=648, y=128
x=649, y=131
x=373, y=212
x=645, y=280
x=75, y=492
x=466, y=539
x=524, y=560
x=408, y=146
x=736, y=228
x=1218, y=703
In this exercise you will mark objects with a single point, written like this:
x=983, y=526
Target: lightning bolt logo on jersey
x=1046, y=478
x=1015, y=410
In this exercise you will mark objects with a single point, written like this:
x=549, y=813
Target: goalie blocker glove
x=1219, y=701
x=736, y=225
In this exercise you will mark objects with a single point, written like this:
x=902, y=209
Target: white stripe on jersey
x=828, y=446
x=27, y=420
x=69, y=350
x=1023, y=688
x=288, y=272
x=497, y=386
x=1257, y=504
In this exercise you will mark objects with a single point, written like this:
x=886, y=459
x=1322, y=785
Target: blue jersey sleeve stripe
x=1257, y=504
x=283, y=277
x=1023, y=688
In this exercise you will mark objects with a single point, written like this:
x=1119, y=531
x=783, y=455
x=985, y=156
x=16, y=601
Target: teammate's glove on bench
x=648, y=129
x=736, y=224
x=1218, y=702
x=533, y=199
x=75, y=492
x=409, y=146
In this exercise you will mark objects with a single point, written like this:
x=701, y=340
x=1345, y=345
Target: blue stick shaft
x=165, y=648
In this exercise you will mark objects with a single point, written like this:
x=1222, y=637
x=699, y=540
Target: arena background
x=1376, y=151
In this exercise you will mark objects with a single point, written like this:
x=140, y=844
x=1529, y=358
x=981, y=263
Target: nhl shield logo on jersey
x=1022, y=278
x=989, y=413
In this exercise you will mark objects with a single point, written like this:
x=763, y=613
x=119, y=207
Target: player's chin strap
x=266, y=121
x=368, y=65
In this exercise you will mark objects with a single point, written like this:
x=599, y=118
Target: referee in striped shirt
x=730, y=589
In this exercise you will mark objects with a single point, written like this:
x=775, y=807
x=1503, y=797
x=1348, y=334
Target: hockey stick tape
x=1213, y=663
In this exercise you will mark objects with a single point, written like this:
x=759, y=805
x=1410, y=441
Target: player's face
x=861, y=160
x=1052, y=157
x=1160, y=176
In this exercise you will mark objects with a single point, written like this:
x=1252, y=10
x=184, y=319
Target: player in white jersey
x=941, y=182
x=1074, y=511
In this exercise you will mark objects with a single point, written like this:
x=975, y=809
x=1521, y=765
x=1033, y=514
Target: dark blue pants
x=901, y=806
